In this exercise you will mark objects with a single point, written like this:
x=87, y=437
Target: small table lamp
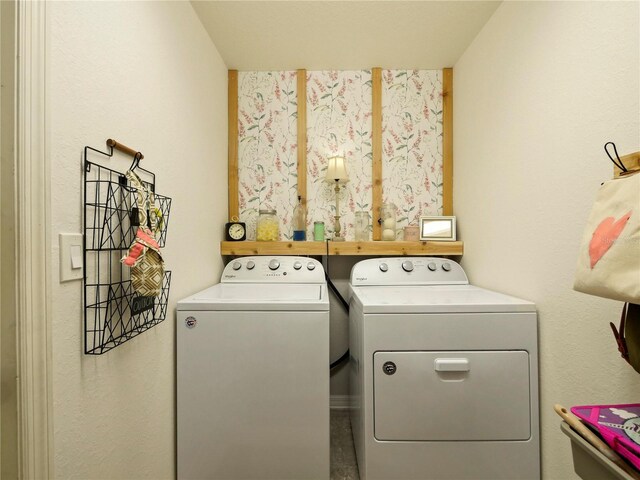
x=336, y=172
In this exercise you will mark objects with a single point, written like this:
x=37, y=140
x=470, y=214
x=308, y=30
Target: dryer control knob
x=297, y=265
x=407, y=266
x=236, y=265
x=432, y=266
x=384, y=267
x=274, y=264
x=251, y=265
x=446, y=267
x=311, y=266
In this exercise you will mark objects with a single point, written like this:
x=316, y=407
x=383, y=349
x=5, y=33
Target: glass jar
x=268, y=227
x=388, y=221
x=362, y=226
x=318, y=231
x=411, y=233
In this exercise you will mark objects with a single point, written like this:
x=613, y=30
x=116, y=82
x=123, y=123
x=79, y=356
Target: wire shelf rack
x=113, y=312
x=116, y=218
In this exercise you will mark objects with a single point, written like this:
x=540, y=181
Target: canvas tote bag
x=609, y=257
x=144, y=257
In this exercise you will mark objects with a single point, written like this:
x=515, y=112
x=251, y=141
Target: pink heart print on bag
x=604, y=235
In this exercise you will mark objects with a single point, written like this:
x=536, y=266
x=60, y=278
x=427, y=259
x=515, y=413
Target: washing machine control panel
x=273, y=269
x=408, y=271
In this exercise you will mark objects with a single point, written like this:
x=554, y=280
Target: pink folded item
x=144, y=239
x=619, y=426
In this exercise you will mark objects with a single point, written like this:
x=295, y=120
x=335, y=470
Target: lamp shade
x=336, y=170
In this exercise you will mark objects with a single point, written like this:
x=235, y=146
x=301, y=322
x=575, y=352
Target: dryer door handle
x=452, y=365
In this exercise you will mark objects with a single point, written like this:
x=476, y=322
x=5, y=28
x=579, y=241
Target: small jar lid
x=267, y=212
x=318, y=223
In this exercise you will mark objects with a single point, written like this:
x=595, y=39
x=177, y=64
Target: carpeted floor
x=343, y=454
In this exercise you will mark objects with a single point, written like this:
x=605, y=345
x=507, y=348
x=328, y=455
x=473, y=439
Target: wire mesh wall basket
x=113, y=219
x=113, y=312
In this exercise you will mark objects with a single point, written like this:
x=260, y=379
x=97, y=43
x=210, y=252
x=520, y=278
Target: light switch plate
x=71, y=267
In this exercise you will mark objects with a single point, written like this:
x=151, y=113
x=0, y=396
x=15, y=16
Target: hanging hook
x=137, y=156
x=136, y=165
x=136, y=161
x=617, y=163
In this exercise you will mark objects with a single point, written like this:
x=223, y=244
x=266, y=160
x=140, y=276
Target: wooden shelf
x=396, y=248
x=273, y=248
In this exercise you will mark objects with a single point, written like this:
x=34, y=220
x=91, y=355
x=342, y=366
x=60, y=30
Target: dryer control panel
x=276, y=269
x=408, y=271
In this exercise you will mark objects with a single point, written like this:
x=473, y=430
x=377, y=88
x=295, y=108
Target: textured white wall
x=537, y=94
x=146, y=74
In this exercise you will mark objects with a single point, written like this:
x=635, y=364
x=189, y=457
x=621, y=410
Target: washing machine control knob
x=236, y=265
x=311, y=266
x=297, y=265
x=274, y=264
x=432, y=266
x=384, y=267
x=251, y=265
x=407, y=266
x=446, y=267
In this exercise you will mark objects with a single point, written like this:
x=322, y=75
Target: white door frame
x=33, y=197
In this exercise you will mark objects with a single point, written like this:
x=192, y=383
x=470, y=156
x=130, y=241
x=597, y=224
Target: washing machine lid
x=259, y=297
x=435, y=299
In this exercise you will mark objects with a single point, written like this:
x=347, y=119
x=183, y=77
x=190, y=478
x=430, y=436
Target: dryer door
x=436, y=396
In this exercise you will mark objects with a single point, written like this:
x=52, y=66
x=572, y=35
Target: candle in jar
x=389, y=224
x=388, y=234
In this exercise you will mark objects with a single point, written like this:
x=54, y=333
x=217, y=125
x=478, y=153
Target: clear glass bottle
x=388, y=221
x=268, y=227
x=362, y=226
x=299, y=222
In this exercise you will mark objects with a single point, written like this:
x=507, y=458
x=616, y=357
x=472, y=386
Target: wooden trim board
x=447, y=141
x=9, y=378
x=376, y=147
x=273, y=248
x=341, y=248
x=34, y=262
x=398, y=248
x=233, y=144
x=301, y=75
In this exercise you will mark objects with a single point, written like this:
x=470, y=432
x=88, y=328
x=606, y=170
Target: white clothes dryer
x=253, y=373
x=444, y=375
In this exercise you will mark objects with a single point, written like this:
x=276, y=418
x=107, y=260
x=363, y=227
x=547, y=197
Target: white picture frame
x=438, y=228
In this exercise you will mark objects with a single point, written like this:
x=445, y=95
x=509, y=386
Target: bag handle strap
x=153, y=215
x=618, y=163
x=619, y=335
x=145, y=199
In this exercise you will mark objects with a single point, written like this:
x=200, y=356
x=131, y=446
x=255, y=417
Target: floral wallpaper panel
x=267, y=147
x=412, y=143
x=338, y=123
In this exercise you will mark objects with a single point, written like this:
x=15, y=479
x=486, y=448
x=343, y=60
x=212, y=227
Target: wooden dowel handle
x=123, y=148
x=594, y=440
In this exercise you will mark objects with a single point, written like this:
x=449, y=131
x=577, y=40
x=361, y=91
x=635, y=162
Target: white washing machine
x=444, y=375
x=253, y=373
